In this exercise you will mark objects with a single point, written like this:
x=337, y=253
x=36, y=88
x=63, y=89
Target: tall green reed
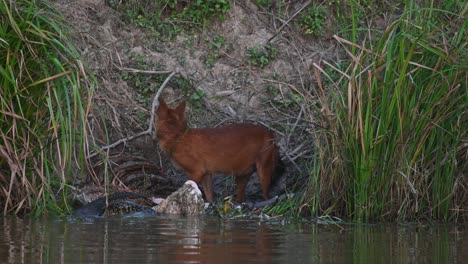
x=43, y=108
x=395, y=120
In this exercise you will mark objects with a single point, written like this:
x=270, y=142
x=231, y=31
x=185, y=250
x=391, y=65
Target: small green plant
x=261, y=56
x=313, y=20
x=193, y=94
x=188, y=43
x=264, y=3
x=196, y=97
x=214, y=47
x=145, y=84
x=171, y=3
x=135, y=11
x=217, y=43
x=285, y=100
x=201, y=11
x=183, y=84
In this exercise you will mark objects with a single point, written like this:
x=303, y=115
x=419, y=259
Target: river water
x=215, y=240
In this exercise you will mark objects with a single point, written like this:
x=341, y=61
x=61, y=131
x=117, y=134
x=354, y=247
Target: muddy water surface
x=213, y=240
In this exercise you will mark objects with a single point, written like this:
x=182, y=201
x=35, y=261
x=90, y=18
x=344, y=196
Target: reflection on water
x=213, y=240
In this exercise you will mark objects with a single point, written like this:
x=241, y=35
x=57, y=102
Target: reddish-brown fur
x=237, y=149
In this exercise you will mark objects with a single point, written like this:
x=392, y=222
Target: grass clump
x=201, y=11
x=42, y=108
x=313, y=20
x=261, y=56
x=395, y=121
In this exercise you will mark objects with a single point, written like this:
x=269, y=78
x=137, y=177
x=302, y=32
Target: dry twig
x=132, y=70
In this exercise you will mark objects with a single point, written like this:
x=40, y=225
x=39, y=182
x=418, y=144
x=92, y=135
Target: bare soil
x=279, y=95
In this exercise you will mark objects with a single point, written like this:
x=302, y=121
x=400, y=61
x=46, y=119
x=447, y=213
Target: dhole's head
x=170, y=120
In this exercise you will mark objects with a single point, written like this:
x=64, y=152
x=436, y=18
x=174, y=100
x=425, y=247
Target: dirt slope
x=214, y=62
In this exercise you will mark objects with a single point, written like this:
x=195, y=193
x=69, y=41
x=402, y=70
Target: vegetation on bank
x=393, y=144
x=43, y=108
x=392, y=139
x=167, y=18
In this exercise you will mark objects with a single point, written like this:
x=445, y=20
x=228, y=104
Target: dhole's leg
x=207, y=184
x=265, y=166
x=241, y=183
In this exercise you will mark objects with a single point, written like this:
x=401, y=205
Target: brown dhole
x=236, y=149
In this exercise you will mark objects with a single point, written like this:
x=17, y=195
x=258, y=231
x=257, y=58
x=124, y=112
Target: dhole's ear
x=162, y=108
x=162, y=103
x=180, y=110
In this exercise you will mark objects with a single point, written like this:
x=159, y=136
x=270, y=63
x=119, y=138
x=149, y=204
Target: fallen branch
x=156, y=102
x=151, y=121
